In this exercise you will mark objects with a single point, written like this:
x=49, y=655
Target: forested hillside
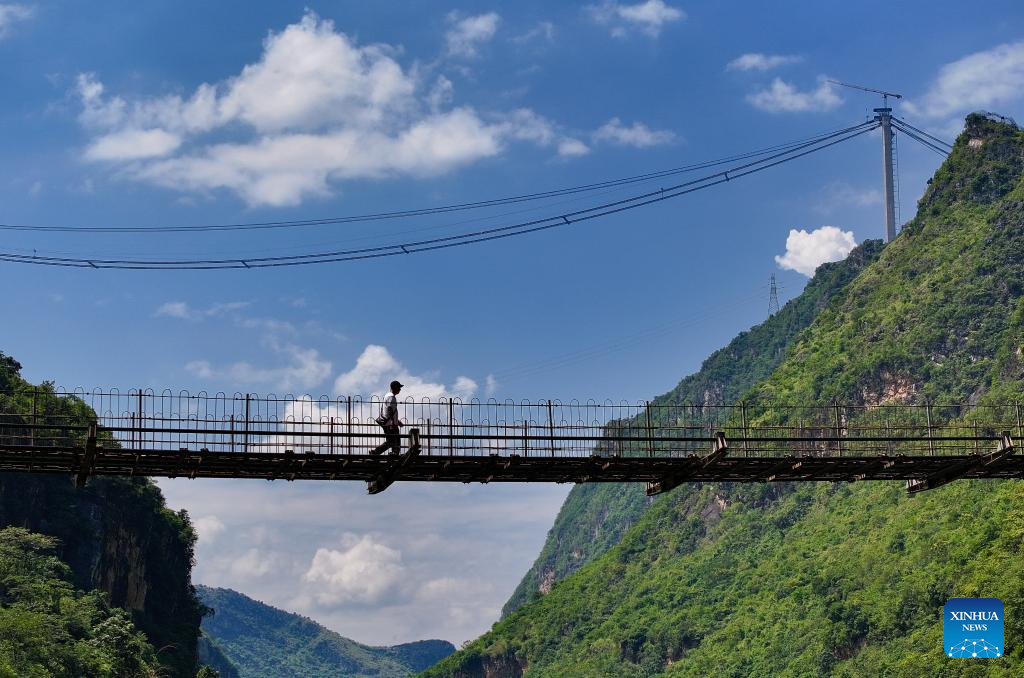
x=595, y=516
x=828, y=578
x=264, y=642
x=114, y=536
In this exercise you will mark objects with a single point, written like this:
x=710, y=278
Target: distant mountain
x=261, y=641
x=827, y=579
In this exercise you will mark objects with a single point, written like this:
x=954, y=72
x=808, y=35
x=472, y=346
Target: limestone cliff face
x=119, y=538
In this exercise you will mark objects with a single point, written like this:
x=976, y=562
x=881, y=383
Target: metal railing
x=141, y=419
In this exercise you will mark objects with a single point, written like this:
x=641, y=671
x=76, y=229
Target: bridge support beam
x=394, y=470
x=720, y=449
x=1004, y=449
x=88, y=459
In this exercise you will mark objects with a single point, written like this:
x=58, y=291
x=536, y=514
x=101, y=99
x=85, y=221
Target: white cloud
x=316, y=109
x=305, y=370
x=754, y=61
x=252, y=564
x=467, y=34
x=174, y=309
x=10, y=13
x=645, y=17
x=543, y=31
x=806, y=251
x=133, y=144
x=490, y=385
x=781, y=97
x=980, y=80
x=208, y=528
x=638, y=135
x=362, y=571
x=181, y=309
x=839, y=194
x=376, y=368
x=571, y=148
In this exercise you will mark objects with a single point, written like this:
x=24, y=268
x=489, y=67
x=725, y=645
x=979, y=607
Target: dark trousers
x=392, y=439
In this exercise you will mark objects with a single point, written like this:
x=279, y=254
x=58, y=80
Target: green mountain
x=828, y=578
x=116, y=536
x=595, y=516
x=264, y=642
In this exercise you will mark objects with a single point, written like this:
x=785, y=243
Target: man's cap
x=397, y=384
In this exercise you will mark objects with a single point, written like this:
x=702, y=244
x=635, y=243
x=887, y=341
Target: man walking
x=390, y=422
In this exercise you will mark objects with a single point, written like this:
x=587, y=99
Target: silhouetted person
x=390, y=422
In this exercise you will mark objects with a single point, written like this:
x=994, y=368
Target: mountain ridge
x=263, y=641
x=828, y=578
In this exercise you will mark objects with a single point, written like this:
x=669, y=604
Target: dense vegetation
x=50, y=628
x=264, y=642
x=826, y=578
x=595, y=516
x=115, y=535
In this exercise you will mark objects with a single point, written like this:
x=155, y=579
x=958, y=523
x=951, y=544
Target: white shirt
x=391, y=410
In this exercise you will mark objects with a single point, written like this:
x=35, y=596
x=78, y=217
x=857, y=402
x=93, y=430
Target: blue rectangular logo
x=973, y=628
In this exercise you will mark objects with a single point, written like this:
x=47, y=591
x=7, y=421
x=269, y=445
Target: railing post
x=526, y=437
x=451, y=427
x=928, y=419
x=32, y=435
x=330, y=436
x=348, y=424
x=428, y=431
x=839, y=427
x=138, y=417
x=551, y=428
x=746, y=428
x=231, y=428
x=1020, y=425
x=650, y=430
x=245, y=435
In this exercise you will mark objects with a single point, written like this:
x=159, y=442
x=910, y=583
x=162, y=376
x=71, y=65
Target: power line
x=478, y=236
x=427, y=211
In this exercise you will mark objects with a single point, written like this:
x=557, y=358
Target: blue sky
x=155, y=114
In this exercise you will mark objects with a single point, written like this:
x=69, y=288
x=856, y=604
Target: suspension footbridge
x=178, y=434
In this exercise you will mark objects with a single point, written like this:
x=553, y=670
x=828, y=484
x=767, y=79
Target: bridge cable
x=427, y=211
x=479, y=236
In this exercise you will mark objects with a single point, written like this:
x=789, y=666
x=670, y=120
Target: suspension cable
x=428, y=211
x=478, y=236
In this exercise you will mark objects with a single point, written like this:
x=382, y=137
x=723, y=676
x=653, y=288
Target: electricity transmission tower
x=773, y=297
x=884, y=116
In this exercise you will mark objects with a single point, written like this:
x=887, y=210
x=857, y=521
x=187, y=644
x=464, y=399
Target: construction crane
x=884, y=116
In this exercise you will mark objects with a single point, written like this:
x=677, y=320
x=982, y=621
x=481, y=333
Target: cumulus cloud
x=638, y=135
x=208, y=528
x=305, y=369
x=133, y=144
x=182, y=310
x=376, y=367
x=980, y=80
x=570, y=148
x=361, y=570
x=754, y=61
x=10, y=14
x=316, y=109
x=782, y=97
x=647, y=18
x=467, y=34
x=806, y=251
x=839, y=194
x=544, y=31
